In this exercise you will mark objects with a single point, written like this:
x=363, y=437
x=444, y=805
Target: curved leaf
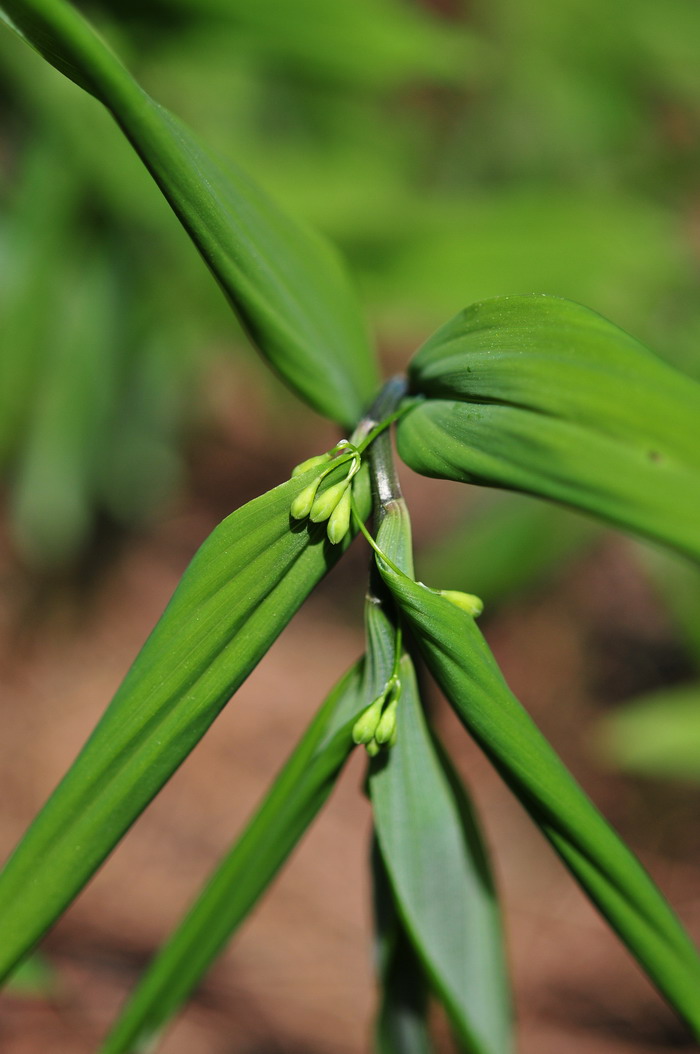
x=239, y=592
x=286, y=284
x=542, y=395
x=613, y=878
x=243, y=875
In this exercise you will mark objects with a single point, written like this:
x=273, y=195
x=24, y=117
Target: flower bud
x=325, y=503
x=372, y=748
x=468, y=602
x=364, y=728
x=386, y=729
x=302, y=504
x=339, y=522
x=311, y=462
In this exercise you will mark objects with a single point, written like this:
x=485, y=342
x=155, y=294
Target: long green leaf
x=430, y=843
x=286, y=284
x=541, y=395
x=613, y=878
x=243, y=875
x=401, y=1025
x=240, y=590
x=440, y=877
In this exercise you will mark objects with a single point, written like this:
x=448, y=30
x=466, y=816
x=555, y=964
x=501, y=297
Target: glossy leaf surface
x=286, y=284
x=243, y=875
x=542, y=395
x=239, y=592
x=608, y=872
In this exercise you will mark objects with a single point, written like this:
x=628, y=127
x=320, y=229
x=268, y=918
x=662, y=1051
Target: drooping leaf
x=542, y=395
x=241, y=878
x=657, y=735
x=429, y=841
x=401, y=1024
x=438, y=868
x=609, y=873
x=286, y=284
x=241, y=589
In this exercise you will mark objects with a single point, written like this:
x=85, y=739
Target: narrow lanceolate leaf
x=609, y=873
x=439, y=874
x=539, y=394
x=401, y=1025
x=243, y=875
x=286, y=284
x=241, y=589
x=429, y=841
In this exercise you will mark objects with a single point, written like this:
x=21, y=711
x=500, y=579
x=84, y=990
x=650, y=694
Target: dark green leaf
x=541, y=395
x=286, y=284
x=609, y=873
x=243, y=875
x=240, y=590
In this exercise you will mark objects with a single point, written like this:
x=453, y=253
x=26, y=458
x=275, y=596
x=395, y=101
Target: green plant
x=530, y=393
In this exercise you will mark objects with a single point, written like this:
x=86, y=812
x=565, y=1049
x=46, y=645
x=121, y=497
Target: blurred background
x=454, y=150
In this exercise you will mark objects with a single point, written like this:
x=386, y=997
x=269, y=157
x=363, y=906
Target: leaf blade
x=285, y=283
x=608, y=872
x=542, y=395
x=240, y=590
x=449, y=910
x=242, y=876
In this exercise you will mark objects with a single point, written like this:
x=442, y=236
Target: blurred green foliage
x=453, y=151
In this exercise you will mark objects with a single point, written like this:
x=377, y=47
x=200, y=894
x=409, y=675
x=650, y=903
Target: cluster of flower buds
x=376, y=726
x=335, y=503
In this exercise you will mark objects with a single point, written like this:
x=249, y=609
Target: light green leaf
x=286, y=284
x=243, y=875
x=656, y=735
x=437, y=864
x=609, y=873
x=539, y=394
x=401, y=1025
x=240, y=590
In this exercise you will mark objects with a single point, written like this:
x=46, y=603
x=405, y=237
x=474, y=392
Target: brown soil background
x=298, y=979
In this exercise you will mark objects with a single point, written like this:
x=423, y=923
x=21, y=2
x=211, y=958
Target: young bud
x=364, y=728
x=473, y=605
x=386, y=729
x=372, y=748
x=311, y=462
x=339, y=522
x=325, y=503
x=302, y=504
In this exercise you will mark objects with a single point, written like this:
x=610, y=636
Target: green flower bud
x=325, y=503
x=473, y=605
x=302, y=504
x=311, y=462
x=339, y=522
x=372, y=748
x=364, y=728
x=386, y=729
